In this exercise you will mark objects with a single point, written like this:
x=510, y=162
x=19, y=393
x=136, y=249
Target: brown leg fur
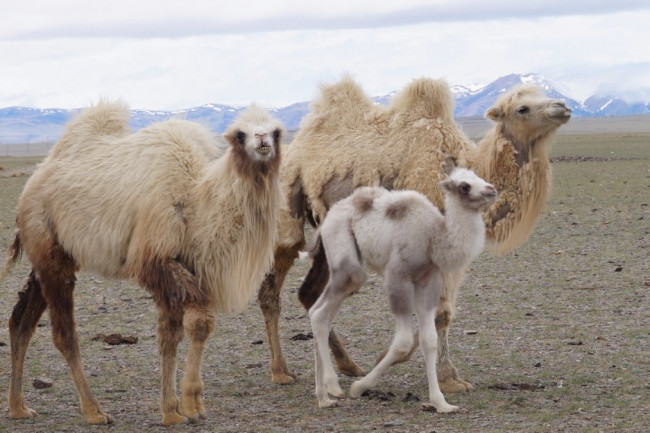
x=269, y=300
x=182, y=306
x=170, y=334
x=310, y=290
x=22, y=324
x=199, y=324
x=57, y=279
x=447, y=374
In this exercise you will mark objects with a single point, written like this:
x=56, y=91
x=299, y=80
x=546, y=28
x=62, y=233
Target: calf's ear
x=448, y=165
x=447, y=185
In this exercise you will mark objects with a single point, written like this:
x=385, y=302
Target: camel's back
x=348, y=139
x=98, y=194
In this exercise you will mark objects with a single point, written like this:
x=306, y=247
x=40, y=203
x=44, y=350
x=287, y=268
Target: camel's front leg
x=170, y=333
x=198, y=324
x=426, y=298
x=447, y=374
x=269, y=300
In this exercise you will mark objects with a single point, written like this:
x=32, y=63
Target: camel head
x=255, y=133
x=526, y=116
x=469, y=189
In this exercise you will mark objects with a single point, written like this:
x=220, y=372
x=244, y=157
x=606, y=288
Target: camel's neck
x=461, y=240
x=521, y=173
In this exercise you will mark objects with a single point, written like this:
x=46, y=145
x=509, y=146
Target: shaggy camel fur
x=152, y=208
x=347, y=141
x=402, y=236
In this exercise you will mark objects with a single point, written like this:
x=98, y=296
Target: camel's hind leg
x=269, y=300
x=57, y=280
x=23, y=321
x=310, y=290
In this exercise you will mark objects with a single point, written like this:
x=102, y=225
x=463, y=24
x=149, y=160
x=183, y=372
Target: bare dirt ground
x=555, y=337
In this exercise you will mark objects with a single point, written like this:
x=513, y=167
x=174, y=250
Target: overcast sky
x=167, y=55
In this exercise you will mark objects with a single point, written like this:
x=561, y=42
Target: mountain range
x=29, y=125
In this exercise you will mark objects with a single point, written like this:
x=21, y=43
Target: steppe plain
x=555, y=336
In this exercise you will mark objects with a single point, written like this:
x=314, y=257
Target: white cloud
x=172, y=55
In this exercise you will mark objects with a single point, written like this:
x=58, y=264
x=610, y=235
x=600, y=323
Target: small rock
x=302, y=337
x=428, y=407
x=539, y=364
x=43, y=383
x=410, y=397
x=394, y=423
x=471, y=332
x=258, y=342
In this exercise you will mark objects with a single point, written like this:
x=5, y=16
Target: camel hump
x=425, y=98
x=341, y=102
x=104, y=118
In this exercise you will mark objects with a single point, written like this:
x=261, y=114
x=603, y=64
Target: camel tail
x=14, y=254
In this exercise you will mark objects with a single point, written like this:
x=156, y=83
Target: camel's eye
x=241, y=137
x=523, y=110
x=465, y=187
x=276, y=135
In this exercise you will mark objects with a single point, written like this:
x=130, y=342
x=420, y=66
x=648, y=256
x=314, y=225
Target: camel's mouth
x=264, y=149
x=560, y=116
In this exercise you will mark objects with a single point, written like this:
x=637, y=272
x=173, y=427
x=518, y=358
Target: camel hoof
x=282, y=378
x=336, y=392
x=23, y=413
x=441, y=408
x=94, y=415
x=454, y=385
x=356, y=389
x=173, y=419
x=328, y=403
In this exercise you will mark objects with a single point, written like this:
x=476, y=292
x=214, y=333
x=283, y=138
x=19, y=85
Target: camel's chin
x=560, y=119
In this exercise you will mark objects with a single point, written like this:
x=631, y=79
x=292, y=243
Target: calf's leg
x=426, y=299
x=309, y=292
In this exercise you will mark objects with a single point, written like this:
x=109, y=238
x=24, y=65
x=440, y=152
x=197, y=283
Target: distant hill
x=29, y=125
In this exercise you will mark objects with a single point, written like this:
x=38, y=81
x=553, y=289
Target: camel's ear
x=447, y=185
x=236, y=137
x=448, y=165
x=494, y=113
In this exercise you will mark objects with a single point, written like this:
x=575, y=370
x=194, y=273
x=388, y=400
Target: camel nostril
x=490, y=191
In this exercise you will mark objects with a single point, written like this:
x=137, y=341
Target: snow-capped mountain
x=28, y=125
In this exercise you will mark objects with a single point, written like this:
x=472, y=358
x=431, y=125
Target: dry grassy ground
x=559, y=340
